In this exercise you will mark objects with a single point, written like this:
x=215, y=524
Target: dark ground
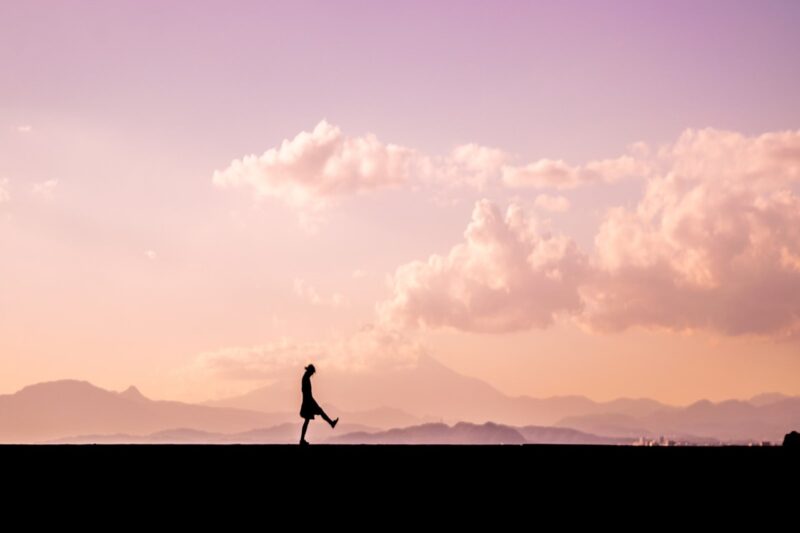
x=383, y=463
x=540, y=477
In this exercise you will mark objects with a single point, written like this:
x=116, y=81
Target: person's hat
x=311, y=367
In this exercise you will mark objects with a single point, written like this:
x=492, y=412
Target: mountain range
x=56, y=409
x=431, y=433
x=411, y=404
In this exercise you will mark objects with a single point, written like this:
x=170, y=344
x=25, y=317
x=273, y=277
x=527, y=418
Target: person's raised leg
x=327, y=419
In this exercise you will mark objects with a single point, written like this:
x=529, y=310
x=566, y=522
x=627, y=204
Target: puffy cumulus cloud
x=4, y=195
x=556, y=174
x=509, y=274
x=308, y=293
x=554, y=204
x=714, y=243
x=315, y=167
x=372, y=348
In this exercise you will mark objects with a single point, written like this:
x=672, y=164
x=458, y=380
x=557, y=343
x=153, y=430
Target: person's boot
x=303, y=442
x=336, y=421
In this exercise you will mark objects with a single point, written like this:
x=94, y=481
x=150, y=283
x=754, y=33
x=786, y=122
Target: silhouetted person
x=310, y=407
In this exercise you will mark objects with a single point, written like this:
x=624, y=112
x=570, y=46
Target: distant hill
x=432, y=433
x=558, y=435
x=461, y=433
x=379, y=417
x=466, y=433
x=51, y=410
x=728, y=421
x=287, y=433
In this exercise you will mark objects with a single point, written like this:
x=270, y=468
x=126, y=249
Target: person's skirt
x=309, y=409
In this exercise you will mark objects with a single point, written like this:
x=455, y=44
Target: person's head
x=310, y=370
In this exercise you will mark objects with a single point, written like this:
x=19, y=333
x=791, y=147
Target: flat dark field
x=441, y=484
x=392, y=464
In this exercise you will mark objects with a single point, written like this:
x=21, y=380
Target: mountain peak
x=132, y=393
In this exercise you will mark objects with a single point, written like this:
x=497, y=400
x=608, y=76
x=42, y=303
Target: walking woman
x=310, y=407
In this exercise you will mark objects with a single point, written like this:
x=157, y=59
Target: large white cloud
x=509, y=274
x=307, y=172
x=714, y=243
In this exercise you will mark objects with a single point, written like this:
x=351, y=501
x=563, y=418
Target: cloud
x=470, y=165
x=509, y=274
x=45, y=189
x=308, y=293
x=25, y=128
x=151, y=255
x=4, y=194
x=554, y=204
x=556, y=174
x=372, y=348
x=714, y=243
x=316, y=167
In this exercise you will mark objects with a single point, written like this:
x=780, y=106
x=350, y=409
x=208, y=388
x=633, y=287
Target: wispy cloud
x=45, y=189
x=556, y=174
x=307, y=292
x=371, y=348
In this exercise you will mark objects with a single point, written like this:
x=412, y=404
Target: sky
x=595, y=197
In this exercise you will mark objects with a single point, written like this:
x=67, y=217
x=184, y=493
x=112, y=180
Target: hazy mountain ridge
x=467, y=433
x=430, y=433
x=424, y=394
x=729, y=421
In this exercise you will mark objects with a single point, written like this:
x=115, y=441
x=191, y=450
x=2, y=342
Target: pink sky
x=595, y=198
